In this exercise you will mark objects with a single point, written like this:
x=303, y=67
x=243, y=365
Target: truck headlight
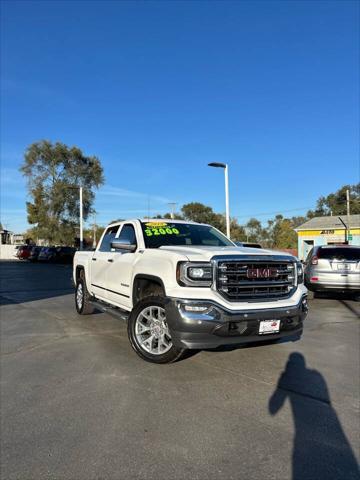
x=300, y=272
x=193, y=274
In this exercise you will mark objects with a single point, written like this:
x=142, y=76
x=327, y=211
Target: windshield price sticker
x=161, y=231
x=156, y=224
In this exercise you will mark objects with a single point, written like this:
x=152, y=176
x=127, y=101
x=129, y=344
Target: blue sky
x=158, y=89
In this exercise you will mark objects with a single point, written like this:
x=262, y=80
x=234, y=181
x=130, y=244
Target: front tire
x=83, y=298
x=149, y=334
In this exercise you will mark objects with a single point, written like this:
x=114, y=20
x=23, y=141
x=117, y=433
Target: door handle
x=110, y=260
x=93, y=259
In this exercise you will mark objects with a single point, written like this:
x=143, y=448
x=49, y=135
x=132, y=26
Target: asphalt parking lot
x=77, y=402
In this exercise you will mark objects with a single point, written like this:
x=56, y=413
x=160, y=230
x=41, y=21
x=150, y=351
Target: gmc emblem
x=262, y=272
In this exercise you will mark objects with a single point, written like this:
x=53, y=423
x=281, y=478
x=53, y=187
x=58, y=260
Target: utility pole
x=172, y=205
x=348, y=212
x=81, y=219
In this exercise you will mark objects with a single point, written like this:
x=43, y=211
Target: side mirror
x=123, y=245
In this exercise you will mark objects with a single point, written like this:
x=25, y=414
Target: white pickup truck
x=184, y=285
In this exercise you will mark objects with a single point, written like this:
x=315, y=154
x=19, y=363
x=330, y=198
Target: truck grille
x=244, y=280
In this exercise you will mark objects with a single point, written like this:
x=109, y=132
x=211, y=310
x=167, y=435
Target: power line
x=271, y=213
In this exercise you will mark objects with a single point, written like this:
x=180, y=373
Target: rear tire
x=83, y=297
x=149, y=334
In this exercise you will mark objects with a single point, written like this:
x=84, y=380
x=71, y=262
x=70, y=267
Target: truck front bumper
x=204, y=324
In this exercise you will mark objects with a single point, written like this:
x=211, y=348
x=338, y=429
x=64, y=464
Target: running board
x=113, y=311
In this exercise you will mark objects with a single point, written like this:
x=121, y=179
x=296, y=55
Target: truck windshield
x=159, y=233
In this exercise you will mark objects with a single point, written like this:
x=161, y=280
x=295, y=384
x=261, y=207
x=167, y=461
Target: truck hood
x=199, y=253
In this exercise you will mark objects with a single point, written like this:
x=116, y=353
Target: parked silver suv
x=333, y=268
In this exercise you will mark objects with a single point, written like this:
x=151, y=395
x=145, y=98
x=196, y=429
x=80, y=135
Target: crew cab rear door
x=100, y=263
x=119, y=271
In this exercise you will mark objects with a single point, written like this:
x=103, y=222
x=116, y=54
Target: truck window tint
x=108, y=238
x=127, y=233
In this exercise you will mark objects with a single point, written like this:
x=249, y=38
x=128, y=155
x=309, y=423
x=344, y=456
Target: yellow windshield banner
x=156, y=224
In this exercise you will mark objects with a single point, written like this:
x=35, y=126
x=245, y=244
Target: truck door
x=120, y=268
x=100, y=263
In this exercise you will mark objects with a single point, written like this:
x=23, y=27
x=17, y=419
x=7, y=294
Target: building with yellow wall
x=326, y=231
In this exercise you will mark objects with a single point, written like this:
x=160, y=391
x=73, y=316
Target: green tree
x=254, y=231
x=198, y=212
x=281, y=233
x=54, y=173
x=335, y=203
x=89, y=234
x=237, y=232
x=299, y=220
x=177, y=216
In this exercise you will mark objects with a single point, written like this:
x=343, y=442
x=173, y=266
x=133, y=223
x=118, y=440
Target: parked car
x=57, y=254
x=248, y=244
x=23, y=252
x=34, y=253
x=64, y=254
x=47, y=254
x=333, y=268
x=17, y=248
x=184, y=285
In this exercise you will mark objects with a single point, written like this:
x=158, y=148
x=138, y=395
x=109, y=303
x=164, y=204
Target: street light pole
x=227, y=207
x=348, y=213
x=81, y=218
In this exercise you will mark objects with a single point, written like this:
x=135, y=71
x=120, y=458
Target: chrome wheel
x=79, y=296
x=152, y=332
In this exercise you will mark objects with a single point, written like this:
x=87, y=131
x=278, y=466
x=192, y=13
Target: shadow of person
x=321, y=449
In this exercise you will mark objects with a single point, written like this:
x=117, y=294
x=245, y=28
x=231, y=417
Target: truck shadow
x=321, y=449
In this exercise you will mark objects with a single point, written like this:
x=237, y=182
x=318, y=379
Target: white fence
x=7, y=252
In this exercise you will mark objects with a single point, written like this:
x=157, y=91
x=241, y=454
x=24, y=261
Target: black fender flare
x=145, y=276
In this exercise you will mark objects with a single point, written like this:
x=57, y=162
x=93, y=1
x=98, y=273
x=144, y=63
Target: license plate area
x=344, y=266
x=269, y=326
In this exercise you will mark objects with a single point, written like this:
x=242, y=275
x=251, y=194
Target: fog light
x=196, y=308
